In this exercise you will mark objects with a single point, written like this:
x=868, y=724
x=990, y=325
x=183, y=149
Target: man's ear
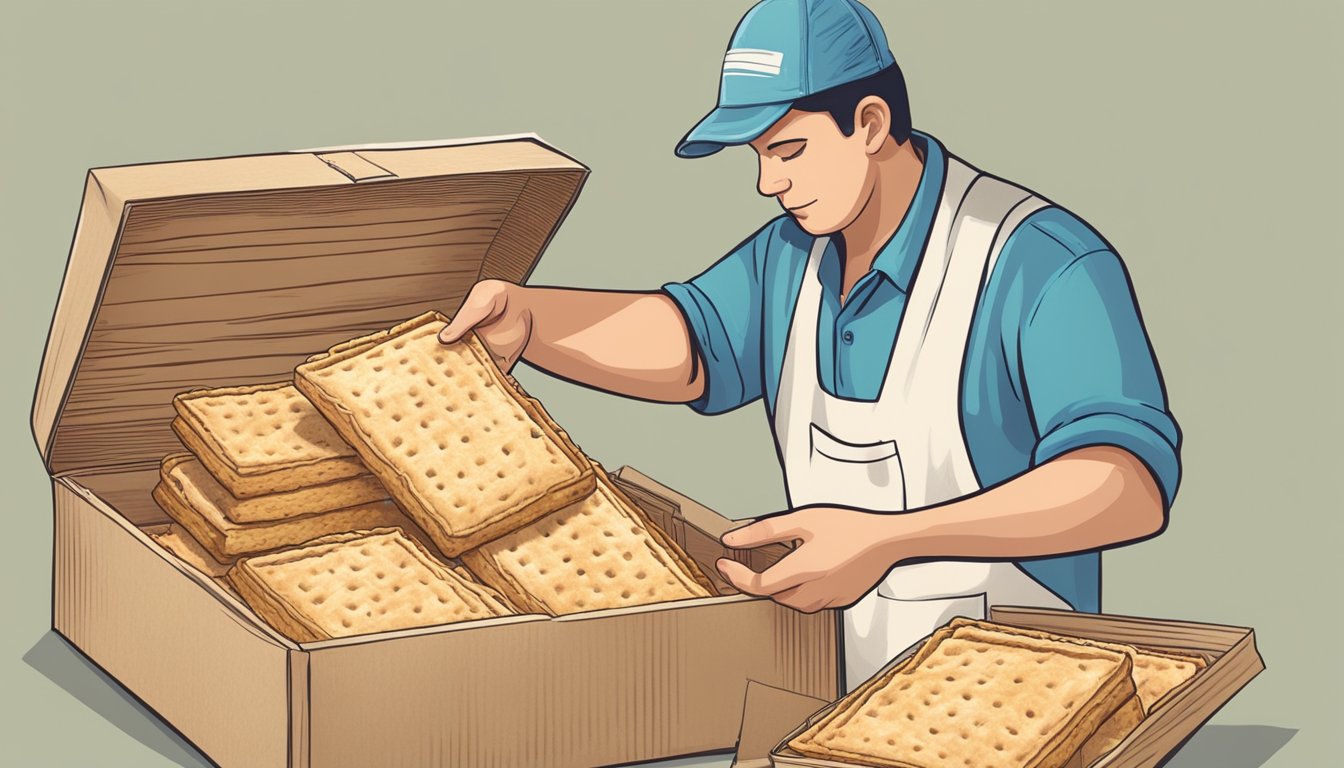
x=872, y=121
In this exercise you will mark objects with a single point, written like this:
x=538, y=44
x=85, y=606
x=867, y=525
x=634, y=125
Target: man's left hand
x=841, y=555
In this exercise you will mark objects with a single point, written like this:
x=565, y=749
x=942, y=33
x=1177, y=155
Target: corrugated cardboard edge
x=300, y=695
x=426, y=143
x=609, y=687
x=218, y=643
x=231, y=601
x=100, y=219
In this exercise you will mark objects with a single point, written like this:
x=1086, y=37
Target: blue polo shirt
x=1057, y=358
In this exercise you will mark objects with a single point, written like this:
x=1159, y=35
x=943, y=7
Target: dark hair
x=840, y=101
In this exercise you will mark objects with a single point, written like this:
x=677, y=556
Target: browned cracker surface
x=987, y=699
x=598, y=553
x=263, y=438
x=278, y=505
x=468, y=457
x=185, y=492
x=354, y=584
x=1109, y=734
x=190, y=551
x=1156, y=673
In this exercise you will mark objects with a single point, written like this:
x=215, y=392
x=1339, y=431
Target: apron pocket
x=863, y=476
x=854, y=453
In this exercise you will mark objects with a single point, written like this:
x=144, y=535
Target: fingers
x=796, y=589
x=767, y=531
x=805, y=598
x=742, y=578
x=789, y=572
x=779, y=577
x=480, y=306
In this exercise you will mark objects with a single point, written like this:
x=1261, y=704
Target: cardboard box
x=1230, y=652
x=231, y=271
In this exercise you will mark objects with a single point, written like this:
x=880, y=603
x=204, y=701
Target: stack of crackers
x=990, y=694
x=349, y=500
x=264, y=471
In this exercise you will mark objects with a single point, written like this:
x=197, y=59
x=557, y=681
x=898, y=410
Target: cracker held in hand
x=599, y=553
x=974, y=696
x=268, y=438
x=358, y=583
x=192, y=497
x=466, y=455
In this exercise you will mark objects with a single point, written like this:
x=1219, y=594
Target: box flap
x=768, y=714
x=231, y=271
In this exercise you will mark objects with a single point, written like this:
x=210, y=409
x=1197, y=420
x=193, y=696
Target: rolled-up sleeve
x=723, y=307
x=1089, y=373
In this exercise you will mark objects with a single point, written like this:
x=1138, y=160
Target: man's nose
x=769, y=182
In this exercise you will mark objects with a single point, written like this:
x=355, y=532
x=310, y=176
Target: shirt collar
x=899, y=257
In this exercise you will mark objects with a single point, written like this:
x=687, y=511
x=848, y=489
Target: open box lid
x=231, y=271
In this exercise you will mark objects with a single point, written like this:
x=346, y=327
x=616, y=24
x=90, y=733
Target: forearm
x=1086, y=499
x=634, y=344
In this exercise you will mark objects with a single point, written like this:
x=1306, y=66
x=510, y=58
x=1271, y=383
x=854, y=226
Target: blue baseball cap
x=781, y=51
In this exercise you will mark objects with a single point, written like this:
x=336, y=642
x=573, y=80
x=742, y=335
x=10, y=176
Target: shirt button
x=848, y=337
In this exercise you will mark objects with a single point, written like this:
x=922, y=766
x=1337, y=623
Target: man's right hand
x=496, y=311
x=633, y=344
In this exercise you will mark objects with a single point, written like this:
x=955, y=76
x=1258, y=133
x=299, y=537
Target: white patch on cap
x=752, y=62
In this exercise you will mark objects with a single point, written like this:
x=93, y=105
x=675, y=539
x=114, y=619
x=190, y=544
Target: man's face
x=820, y=176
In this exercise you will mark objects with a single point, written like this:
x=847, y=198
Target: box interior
x=127, y=493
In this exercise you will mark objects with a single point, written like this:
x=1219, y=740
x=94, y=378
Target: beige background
x=1202, y=142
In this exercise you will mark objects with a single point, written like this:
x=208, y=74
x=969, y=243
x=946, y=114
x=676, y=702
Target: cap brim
x=726, y=126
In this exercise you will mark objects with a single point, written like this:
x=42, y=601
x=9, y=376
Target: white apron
x=906, y=450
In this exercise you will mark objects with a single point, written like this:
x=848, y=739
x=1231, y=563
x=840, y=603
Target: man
x=926, y=338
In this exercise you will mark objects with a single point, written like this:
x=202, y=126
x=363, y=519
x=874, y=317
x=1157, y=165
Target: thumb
x=780, y=528
x=479, y=307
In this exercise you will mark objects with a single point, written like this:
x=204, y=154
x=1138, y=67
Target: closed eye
x=790, y=148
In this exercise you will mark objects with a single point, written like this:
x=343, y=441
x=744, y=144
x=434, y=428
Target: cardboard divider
x=767, y=713
x=699, y=529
